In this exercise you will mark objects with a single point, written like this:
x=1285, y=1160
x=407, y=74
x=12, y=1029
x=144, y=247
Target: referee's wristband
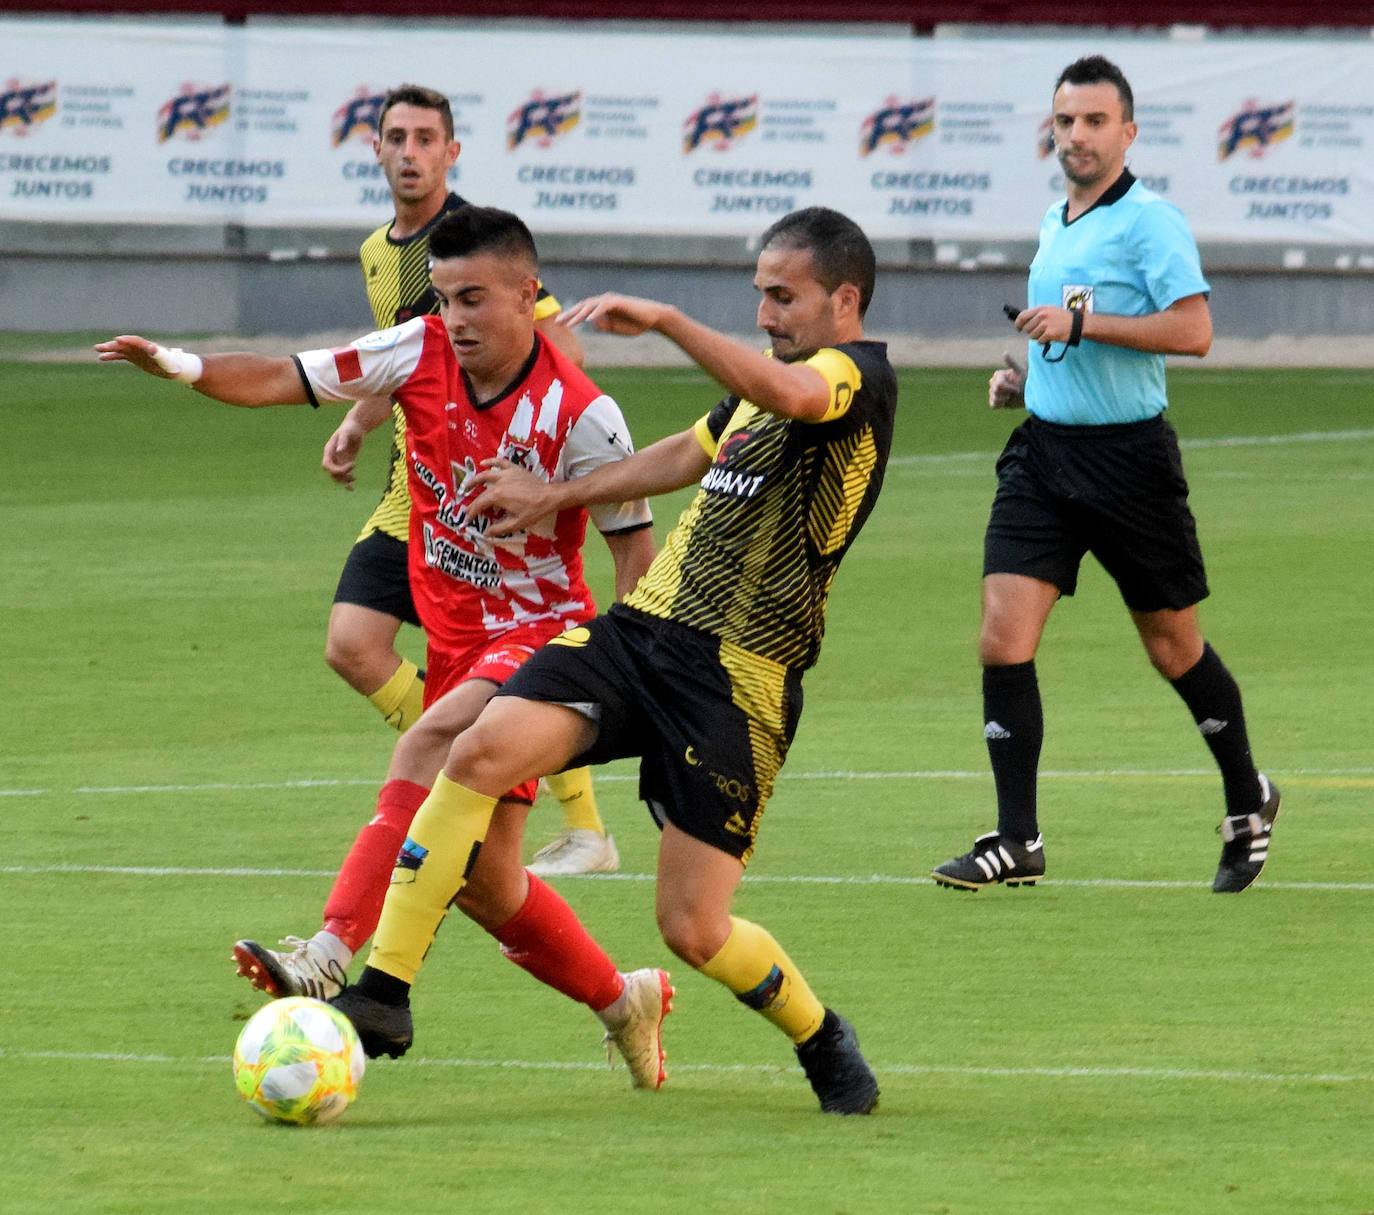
x=179, y=364
x=1076, y=327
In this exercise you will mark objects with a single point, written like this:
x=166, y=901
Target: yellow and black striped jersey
x=396, y=273
x=752, y=558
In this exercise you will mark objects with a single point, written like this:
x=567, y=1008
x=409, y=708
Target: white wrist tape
x=179, y=364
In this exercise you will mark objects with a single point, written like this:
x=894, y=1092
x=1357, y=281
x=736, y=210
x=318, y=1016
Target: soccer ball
x=298, y=1061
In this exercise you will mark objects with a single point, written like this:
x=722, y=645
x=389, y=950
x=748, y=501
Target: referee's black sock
x=1014, y=727
x=1213, y=697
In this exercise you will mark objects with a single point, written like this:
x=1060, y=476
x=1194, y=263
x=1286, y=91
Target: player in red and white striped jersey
x=476, y=382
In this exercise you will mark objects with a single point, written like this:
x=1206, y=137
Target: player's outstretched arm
x=235, y=379
x=519, y=499
x=791, y=390
x=342, y=447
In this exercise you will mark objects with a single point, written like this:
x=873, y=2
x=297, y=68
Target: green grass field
x=178, y=768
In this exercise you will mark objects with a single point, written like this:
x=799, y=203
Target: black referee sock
x=1014, y=727
x=1213, y=697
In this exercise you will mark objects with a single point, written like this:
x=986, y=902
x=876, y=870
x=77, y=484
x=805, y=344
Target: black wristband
x=1076, y=330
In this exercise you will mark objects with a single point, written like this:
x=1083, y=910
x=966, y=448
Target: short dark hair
x=421, y=97
x=1096, y=69
x=840, y=252
x=471, y=229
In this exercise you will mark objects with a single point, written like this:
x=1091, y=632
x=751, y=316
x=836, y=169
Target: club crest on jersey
x=1079, y=298
x=543, y=119
x=896, y=125
x=1255, y=128
x=194, y=112
x=732, y=440
x=24, y=106
x=356, y=119
x=720, y=122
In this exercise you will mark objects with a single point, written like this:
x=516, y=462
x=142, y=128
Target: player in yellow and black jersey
x=752, y=561
x=416, y=148
x=699, y=672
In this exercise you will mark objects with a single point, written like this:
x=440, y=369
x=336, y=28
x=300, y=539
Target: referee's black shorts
x=1117, y=492
x=711, y=727
x=377, y=576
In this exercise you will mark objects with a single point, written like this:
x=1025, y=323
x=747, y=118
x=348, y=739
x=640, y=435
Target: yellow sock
x=574, y=791
x=753, y=966
x=434, y=863
x=402, y=698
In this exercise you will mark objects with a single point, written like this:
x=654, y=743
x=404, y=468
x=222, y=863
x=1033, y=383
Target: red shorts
x=493, y=658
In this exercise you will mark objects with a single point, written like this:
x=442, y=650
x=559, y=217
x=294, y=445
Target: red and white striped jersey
x=552, y=421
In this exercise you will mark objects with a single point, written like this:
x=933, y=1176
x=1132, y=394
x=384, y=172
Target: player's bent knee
x=690, y=939
x=1007, y=645
x=339, y=657
x=478, y=760
x=361, y=665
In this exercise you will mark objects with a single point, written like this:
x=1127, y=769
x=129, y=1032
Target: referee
x=1115, y=286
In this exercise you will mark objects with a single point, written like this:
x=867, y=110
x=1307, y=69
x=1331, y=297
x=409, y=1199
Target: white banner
x=670, y=132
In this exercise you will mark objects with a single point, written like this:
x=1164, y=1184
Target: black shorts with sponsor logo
x=711, y=724
x=376, y=576
x=1117, y=492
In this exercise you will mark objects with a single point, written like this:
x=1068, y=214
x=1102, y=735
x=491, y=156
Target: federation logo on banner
x=1255, y=128
x=194, y=112
x=897, y=125
x=24, y=106
x=543, y=119
x=720, y=122
x=357, y=118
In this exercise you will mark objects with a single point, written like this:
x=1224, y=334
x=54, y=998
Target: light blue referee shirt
x=1130, y=254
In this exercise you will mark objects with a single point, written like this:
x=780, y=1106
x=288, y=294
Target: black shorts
x=376, y=576
x=1117, y=492
x=710, y=723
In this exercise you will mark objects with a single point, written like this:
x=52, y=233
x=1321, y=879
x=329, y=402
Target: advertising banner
x=670, y=132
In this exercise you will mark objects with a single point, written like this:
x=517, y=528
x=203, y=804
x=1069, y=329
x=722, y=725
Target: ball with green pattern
x=298, y=1061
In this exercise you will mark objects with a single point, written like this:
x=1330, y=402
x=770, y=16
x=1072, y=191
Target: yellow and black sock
x=753, y=966
x=433, y=864
x=401, y=699
x=573, y=789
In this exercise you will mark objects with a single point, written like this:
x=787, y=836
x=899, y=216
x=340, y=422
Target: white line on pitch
x=621, y=777
x=897, y=1069
x=875, y=879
